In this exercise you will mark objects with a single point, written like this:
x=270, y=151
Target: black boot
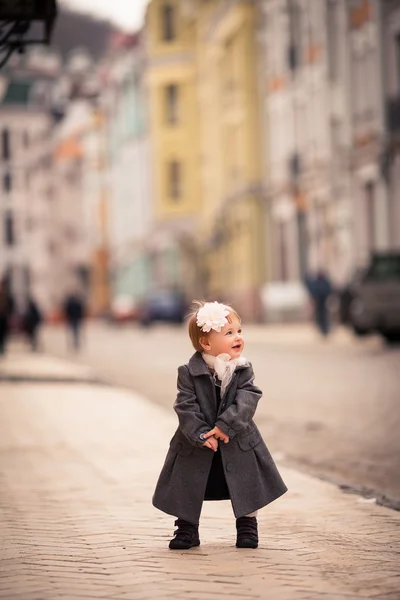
x=247, y=533
x=186, y=536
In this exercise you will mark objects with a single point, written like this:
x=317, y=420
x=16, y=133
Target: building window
x=370, y=215
x=7, y=182
x=398, y=61
x=283, y=269
x=9, y=233
x=5, y=140
x=172, y=103
x=295, y=29
x=175, y=180
x=27, y=276
x=333, y=39
x=168, y=22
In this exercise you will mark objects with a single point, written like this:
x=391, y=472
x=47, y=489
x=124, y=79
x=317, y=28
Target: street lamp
x=24, y=22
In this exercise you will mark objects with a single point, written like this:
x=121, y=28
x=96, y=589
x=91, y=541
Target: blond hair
x=195, y=333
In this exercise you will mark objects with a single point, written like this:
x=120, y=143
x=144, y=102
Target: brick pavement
x=78, y=464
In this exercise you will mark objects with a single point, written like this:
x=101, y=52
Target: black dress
x=217, y=488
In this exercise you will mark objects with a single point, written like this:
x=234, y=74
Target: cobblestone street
x=330, y=407
x=77, y=470
x=200, y=253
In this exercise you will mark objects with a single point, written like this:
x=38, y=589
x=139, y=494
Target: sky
x=127, y=14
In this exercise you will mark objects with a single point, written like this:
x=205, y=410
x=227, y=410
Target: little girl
x=217, y=452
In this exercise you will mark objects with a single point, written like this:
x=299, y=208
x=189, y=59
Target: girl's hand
x=211, y=443
x=218, y=434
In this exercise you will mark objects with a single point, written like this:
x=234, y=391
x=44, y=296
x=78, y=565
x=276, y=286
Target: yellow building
x=205, y=129
x=233, y=221
x=174, y=130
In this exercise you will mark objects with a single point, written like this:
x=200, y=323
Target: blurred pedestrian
x=320, y=289
x=6, y=312
x=216, y=403
x=74, y=311
x=31, y=321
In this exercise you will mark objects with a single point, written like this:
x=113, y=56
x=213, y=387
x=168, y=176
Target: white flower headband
x=212, y=316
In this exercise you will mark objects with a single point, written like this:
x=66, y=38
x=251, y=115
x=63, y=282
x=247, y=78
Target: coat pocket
x=182, y=448
x=250, y=440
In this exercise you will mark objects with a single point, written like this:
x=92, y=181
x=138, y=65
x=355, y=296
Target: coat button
x=231, y=433
x=253, y=443
x=229, y=467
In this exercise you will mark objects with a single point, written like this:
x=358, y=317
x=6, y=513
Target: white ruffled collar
x=224, y=367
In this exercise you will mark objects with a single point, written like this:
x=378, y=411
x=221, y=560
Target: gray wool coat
x=251, y=474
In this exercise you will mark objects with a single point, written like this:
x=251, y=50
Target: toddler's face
x=229, y=339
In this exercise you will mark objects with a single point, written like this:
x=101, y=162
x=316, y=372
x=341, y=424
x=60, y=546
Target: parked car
x=374, y=304
x=166, y=306
x=347, y=294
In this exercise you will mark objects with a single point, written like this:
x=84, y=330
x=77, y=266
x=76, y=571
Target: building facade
x=80, y=161
x=369, y=187
x=73, y=228
x=307, y=137
x=95, y=204
x=174, y=131
x=231, y=230
x=129, y=185
x=228, y=149
x=321, y=79
x=27, y=252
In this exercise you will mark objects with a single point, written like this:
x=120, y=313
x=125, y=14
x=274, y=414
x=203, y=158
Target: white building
x=27, y=254
x=307, y=124
x=73, y=229
x=129, y=178
x=321, y=79
x=80, y=151
x=369, y=188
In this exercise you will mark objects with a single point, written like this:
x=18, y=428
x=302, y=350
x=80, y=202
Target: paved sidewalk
x=16, y=367
x=78, y=464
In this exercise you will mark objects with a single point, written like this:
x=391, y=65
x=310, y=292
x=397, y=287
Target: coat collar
x=197, y=366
